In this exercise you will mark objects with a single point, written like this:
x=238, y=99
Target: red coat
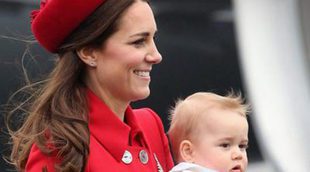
x=142, y=136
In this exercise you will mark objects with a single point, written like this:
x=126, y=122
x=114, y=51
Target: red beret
x=56, y=19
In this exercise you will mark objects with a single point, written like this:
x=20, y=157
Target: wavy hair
x=57, y=108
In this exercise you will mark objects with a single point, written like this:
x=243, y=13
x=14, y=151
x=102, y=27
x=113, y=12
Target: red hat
x=56, y=19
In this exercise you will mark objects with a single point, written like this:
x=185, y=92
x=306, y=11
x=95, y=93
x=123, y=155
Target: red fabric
x=153, y=131
x=110, y=137
x=37, y=161
x=56, y=19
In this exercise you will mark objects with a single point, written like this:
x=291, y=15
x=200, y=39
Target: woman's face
x=124, y=63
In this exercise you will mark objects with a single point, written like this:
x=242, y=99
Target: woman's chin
x=142, y=95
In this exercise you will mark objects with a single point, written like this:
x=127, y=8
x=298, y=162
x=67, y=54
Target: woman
x=81, y=120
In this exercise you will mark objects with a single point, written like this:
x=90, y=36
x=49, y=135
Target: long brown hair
x=57, y=111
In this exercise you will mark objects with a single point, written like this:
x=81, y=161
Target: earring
x=92, y=63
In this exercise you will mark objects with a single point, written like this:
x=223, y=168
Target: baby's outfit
x=190, y=167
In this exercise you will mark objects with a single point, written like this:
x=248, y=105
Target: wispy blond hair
x=188, y=113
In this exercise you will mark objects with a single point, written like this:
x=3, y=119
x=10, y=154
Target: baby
x=209, y=133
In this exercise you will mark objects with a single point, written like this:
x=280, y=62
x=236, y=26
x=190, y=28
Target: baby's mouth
x=236, y=168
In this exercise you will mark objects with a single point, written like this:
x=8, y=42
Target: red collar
x=108, y=129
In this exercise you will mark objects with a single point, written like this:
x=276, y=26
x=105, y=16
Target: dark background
x=196, y=39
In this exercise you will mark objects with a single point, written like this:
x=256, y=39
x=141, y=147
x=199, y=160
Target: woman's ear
x=88, y=55
x=187, y=151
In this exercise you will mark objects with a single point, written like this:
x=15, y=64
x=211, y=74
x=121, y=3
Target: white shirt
x=190, y=167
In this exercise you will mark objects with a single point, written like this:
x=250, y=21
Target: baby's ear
x=187, y=151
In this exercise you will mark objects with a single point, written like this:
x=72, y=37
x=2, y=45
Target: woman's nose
x=154, y=56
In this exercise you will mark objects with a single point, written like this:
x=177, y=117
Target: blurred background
x=259, y=47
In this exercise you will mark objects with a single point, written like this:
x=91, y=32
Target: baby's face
x=222, y=142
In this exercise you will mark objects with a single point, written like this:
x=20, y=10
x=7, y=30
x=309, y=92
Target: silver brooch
x=159, y=167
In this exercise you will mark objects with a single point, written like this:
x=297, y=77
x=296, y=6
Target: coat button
x=144, y=158
x=127, y=157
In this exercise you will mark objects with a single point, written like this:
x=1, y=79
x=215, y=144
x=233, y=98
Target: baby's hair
x=187, y=114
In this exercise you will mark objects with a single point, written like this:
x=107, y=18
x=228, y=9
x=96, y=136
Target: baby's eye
x=155, y=38
x=224, y=145
x=243, y=146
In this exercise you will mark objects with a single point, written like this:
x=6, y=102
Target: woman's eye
x=138, y=43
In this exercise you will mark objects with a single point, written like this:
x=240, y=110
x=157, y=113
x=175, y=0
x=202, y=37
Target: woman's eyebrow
x=143, y=34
